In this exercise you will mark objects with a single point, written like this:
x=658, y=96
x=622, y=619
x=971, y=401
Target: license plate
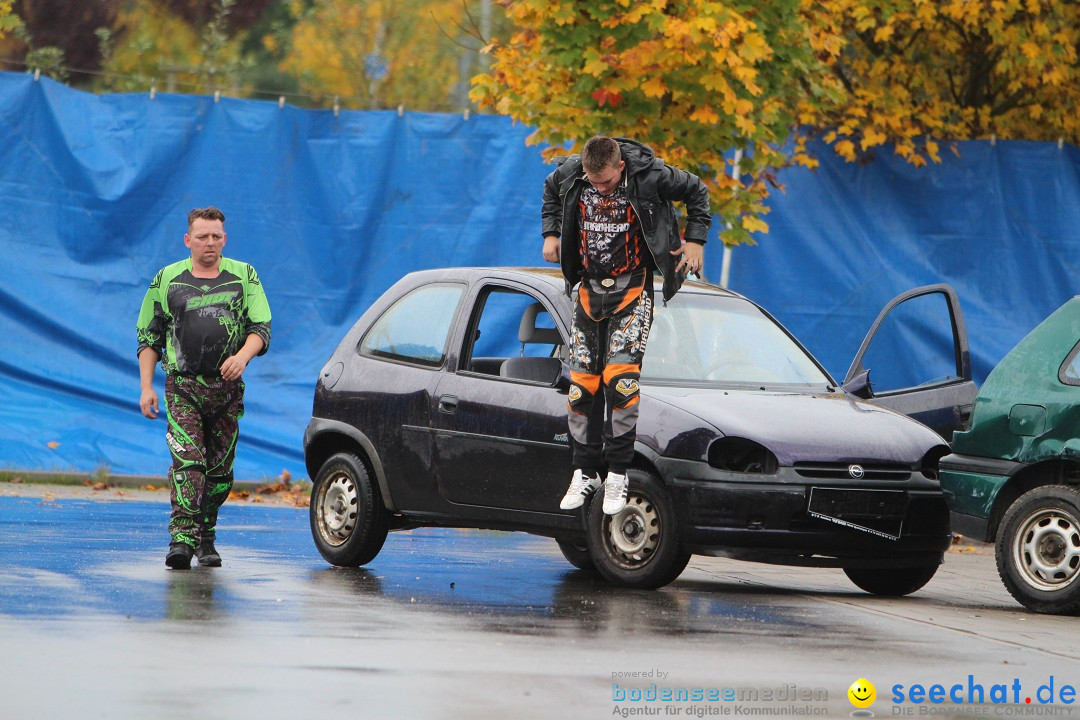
x=878, y=512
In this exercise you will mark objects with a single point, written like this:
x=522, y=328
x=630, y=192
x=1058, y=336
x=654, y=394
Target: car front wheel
x=894, y=582
x=639, y=547
x=1038, y=550
x=577, y=554
x=348, y=520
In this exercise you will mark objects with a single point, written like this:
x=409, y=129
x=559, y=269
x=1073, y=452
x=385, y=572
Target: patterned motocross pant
x=203, y=427
x=607, y=342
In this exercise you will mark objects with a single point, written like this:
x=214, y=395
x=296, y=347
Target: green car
x=1014, y=476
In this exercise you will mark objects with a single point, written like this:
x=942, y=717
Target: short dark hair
x=600, y=153
x=206, y=213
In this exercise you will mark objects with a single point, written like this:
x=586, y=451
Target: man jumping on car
x=612, y=205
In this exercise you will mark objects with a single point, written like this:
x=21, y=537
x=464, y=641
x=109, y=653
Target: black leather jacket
x=652, y=186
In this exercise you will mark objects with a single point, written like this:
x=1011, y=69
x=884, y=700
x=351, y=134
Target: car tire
x=1038, y=550
x=577, y=554
x=892, y=582
x=348, y=520
x=639, y=547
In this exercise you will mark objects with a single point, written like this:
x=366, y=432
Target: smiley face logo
x=862, y=693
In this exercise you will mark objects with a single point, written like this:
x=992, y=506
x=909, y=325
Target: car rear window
x=416, y=328
x=1070, y=369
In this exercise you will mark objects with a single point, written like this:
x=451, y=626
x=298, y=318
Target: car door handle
x=448, y=403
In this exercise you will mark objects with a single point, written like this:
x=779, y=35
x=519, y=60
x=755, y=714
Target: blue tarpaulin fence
x=332, y=209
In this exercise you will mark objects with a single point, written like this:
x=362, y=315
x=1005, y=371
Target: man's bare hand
x=551, y=248
x=693, y=258
x=148, y=403
x=233, y=367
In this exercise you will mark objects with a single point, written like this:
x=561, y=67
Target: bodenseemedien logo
x=862, y=694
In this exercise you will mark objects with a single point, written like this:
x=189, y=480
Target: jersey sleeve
x=151, y=325
x=257, y=309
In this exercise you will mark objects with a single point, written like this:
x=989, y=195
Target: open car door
x=915, y=360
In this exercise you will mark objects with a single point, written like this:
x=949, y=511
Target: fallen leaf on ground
x=269, y=489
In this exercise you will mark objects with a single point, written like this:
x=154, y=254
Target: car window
x=416, y=327
x=913, y=346
x=495, y=335
x=707, y=338
x=1070, y=369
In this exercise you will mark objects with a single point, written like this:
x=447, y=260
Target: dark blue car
x=446, y=405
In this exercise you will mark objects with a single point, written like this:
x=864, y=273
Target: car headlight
x=741, y=455
x=929, y=463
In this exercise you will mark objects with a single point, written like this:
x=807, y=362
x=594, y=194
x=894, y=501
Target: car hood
x=806, y=427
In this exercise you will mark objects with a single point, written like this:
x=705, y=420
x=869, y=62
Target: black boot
x=179, y=557
x=207, y=554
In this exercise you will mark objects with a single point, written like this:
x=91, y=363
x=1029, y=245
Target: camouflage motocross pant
x=203, y=428
x=607, y=343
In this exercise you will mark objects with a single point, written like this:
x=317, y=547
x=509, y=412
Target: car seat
x=536, y=369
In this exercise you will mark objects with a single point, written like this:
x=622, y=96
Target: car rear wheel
x=639, y=547
x=894, y=582
x=577, y=554
x=348, y=520
x=1038, y=550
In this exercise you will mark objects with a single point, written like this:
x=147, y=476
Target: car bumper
x=971, y=486
x=767, y=518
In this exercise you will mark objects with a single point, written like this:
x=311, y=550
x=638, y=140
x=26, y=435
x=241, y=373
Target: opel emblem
x=855, y=471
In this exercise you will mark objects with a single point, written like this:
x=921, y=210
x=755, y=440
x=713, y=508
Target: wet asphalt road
x=448, y=623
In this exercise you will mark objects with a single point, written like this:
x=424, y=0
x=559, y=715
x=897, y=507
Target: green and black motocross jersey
x=196, y=323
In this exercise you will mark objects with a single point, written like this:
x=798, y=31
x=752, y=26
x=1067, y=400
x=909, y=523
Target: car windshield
x=717, y=340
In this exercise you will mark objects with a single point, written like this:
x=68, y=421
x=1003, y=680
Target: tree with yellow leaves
x=694, y=79
x=153, y=45
x=915, y=72
x=8, y=21
x=698, y=78
x=385, y=53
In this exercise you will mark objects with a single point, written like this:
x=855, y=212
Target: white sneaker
x=581, y=487
x=614, y=493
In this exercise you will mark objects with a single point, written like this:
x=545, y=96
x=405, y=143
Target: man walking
x=204, y=318
x=608, y=219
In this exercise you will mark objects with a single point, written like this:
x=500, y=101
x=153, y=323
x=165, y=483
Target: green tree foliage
x=385, y=53
x=55, y=36
x=243, y=14
x=181, y=46
x=375, y=53
x=7, y=18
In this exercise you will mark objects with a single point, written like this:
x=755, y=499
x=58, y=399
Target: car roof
x=549, y=276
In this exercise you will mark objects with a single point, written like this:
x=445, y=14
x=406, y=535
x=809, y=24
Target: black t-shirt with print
x=611, y=239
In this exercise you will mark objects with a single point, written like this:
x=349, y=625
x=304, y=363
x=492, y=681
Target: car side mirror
x=860, y=386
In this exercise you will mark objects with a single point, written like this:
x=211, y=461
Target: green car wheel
x=1038, y=550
